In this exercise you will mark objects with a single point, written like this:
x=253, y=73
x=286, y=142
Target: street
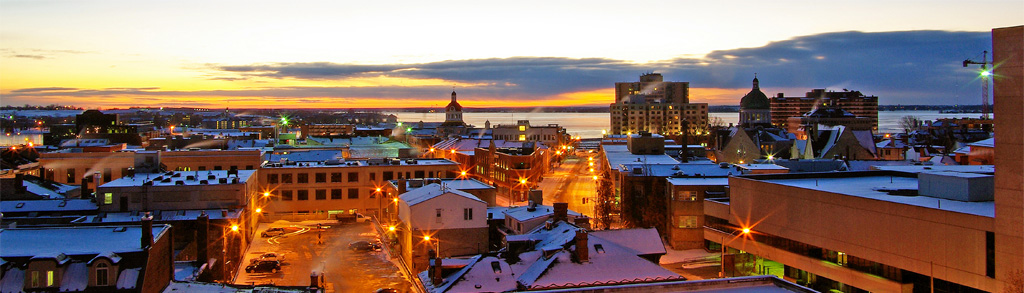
x=301, y=254
x=571, y=182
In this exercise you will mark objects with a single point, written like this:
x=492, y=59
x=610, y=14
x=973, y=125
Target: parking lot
x=303, y=248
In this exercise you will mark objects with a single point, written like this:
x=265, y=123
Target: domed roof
x=454, y=105
x=755, y=99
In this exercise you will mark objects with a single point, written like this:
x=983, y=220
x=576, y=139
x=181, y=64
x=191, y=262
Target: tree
x=909, y=123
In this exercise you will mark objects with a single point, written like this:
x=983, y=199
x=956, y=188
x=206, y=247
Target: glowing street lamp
x=234, y=228
x=259, y=210
x=266, y=194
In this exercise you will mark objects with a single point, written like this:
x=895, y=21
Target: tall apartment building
x=655, y=106
x=854, y=102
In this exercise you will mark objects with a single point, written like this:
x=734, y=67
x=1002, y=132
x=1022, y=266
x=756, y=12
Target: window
x=686, y=222
x=217, y=168
x=49, y=278
x=286, y=195
x=71, y=175
x=353, y=193
x=418, y=174
x=990, y=254
x=35, y=279
x=388, y=175
x=202, y=168
x=336, y=177
x=286, y=178
x=335, y=193
x=321, y=194
x=108, y=198
x=467, y=214
x=353, y=177
x=686, y=195
x=248, y=167
x=321, y=177
x=272, y=178
x=373, y=176
x=107, y=175
x=101, y=274
x=522, y=137
x=522, y=127
x=438, y=217
x=303, y=195
x=303, y=178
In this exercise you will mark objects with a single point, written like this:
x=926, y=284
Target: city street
x=300, y=254
x=571, y=182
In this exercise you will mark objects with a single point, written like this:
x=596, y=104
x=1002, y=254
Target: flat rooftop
x=460, y=184
x=875, y=187
x=357, y=163
x=187, y=178
x=28, y=242
x=698, y=181
x=982, y=169
x=619, y=154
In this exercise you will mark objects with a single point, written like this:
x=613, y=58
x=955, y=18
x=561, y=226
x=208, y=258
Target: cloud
x=37, y=57
x=909, y=67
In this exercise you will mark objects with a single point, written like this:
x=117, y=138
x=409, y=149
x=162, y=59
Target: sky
x=384, y=54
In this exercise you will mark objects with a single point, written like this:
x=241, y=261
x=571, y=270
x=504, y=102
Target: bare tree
x=909, y=123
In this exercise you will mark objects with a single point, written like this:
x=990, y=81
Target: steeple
x=453, y=96
x=756, y=85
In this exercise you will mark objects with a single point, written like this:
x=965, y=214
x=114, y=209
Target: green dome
x=755, y=99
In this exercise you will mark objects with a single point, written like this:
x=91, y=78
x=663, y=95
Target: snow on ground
x=674, y=256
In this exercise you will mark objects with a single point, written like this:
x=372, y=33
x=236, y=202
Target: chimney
x=401, y=186
x=582, y=248
x=435, y=270
x=314, y=279
x=85, y=187
x=147, y=231
x=582, y=222
x=561, y=211
x=203, y=238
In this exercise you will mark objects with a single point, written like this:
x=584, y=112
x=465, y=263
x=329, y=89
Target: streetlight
x=437, y=244
x=743, y=232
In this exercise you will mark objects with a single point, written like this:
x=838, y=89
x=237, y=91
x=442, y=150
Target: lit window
x=686, y=222
x=522, y=137
x=522, y=127
x=108, y=198
x=49, y=278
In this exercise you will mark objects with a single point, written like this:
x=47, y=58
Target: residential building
x=558, y=255
x=446, y=221
x=481, y=190
x=828, y=116
x=855, y=102
x=522, y=219
x=87, y=259
x=656, y=106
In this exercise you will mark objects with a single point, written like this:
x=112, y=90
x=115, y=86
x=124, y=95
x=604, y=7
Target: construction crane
x=985, y=74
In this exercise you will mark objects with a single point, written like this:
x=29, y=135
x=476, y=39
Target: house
x=87, y=259
x=439, y=218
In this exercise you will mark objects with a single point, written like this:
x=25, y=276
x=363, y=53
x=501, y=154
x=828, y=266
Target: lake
x=589, y=125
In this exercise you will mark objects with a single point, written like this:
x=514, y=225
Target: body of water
x=589, y=125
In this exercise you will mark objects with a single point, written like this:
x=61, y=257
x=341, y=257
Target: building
x=87, y=259
x=481, y=190
x=853, y=231
x=446, y=221
x=557, y=256
x=304, y=186
x=1008, y=52
x=551, y=135
x=854, y=102
x=513, y=170
x=327, y=130
x=453, y=123
x=809, y=123
x=523, y=219
x=755, y=109
x=656, y=106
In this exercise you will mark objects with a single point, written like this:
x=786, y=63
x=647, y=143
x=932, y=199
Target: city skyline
x=103, y=54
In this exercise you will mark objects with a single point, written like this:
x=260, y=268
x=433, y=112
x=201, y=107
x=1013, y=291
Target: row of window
x=339, y=177
x=319, y=194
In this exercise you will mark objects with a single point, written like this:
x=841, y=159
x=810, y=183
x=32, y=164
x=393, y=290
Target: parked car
x=264, y=266
x=272, y=232
x=363, y=245
x=267, y=256
x=386, y=290
x=350, y=218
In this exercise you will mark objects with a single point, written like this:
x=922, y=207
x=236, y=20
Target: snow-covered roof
x=164, y=215
x=307, y=156
x=699, y=181
x=989, y=143
x=872, y=187
x=75, y=278
x=644, y=240
x=128, y=278
x=982, y=169
x=53, y=189
x=460, y=184
x=431, y=191
x=496, y=213
x=749, y=166
x=524, y=213
x=47, y=205
x=697, y=168
x=617, y=155
x=171, y=178
x=27, y=242
x=13, y=280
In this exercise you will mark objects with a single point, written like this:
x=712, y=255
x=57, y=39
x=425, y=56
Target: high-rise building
x=656, y=106
x=852, y=101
